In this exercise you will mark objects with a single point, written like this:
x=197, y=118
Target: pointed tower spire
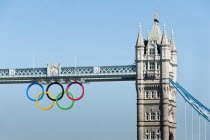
x=156, y=16
x=140, y=41
x=164, y=38
x=155, y=32
x=172, y=40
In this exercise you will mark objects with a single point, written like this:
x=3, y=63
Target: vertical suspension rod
x=199, y=127
x=192, y=124
x=185, y=120
x=205, y=129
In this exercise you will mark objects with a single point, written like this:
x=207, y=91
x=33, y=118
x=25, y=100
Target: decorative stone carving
x=171, y=114
x=53, y=70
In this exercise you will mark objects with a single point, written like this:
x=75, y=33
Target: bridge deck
x=68, y=74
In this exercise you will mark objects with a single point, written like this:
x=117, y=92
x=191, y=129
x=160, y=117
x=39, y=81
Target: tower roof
x=156, y=32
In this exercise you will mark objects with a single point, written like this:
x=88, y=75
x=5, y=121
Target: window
x=152, y=51
x=145, y=50
x=146, y=94
x=158, y=94
x=145, y=66
x=158, y=137
x=147, y=137
x=158, y=131
x=153, y=115
x=152, y=66
x=158, y=116
x=158, y=49
x=147, y=116
x=153, y=94
x=158, y=66
x=147, y=131
x=153, y=135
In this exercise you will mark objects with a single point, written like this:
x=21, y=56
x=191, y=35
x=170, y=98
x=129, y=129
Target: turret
x=173, y=46
x=140, y=41
x=164, y=38
x=173, y=55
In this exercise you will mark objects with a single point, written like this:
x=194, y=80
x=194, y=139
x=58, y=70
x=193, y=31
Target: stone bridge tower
x=156, y=62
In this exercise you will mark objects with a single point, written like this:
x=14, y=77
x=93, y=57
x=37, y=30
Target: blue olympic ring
x=40, y=96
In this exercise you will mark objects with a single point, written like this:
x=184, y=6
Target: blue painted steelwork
x=198, y=106
x=67, y=74
x=30, y=71
x=4, y=72
x=76, y=70
x=118, y=69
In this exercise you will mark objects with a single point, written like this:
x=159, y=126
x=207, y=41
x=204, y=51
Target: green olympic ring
x=72, y=103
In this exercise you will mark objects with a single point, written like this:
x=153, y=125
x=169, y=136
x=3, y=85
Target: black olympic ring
x=56, y=84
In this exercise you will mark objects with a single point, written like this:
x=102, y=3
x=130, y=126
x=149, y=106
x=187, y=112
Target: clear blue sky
x=97, y=33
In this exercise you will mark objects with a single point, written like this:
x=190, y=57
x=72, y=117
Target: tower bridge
x=155, y=73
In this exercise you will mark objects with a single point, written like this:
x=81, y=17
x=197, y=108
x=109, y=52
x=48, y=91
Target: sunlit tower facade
x=156, y=62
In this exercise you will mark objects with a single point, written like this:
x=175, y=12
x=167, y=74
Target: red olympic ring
x=83, y=91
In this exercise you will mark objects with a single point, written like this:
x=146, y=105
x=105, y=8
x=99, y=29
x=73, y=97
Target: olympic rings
x=83, y=91
x=32, y=85
x=37, y=103
x=71, y=105
x=56, y=84
x=58, y=97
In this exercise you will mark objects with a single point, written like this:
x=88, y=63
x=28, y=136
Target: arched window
x=151, y=65
x=152, y=51
x=147, y=116
x=171, y=137
x=146, y=94
x=158, y=134
x=153, y=116
x=158, y=66
x=158, y=94
x=152, y=135
x=145, y=66
x=153, y=94
x=158, y=115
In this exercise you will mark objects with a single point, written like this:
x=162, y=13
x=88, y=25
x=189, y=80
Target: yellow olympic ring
x=37, y=101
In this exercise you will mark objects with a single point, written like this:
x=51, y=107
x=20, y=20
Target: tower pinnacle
x=172, y=40
x=140, y=41
x=140, y=28
x=156, y=16
x=172, y=33
x=164, y=38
